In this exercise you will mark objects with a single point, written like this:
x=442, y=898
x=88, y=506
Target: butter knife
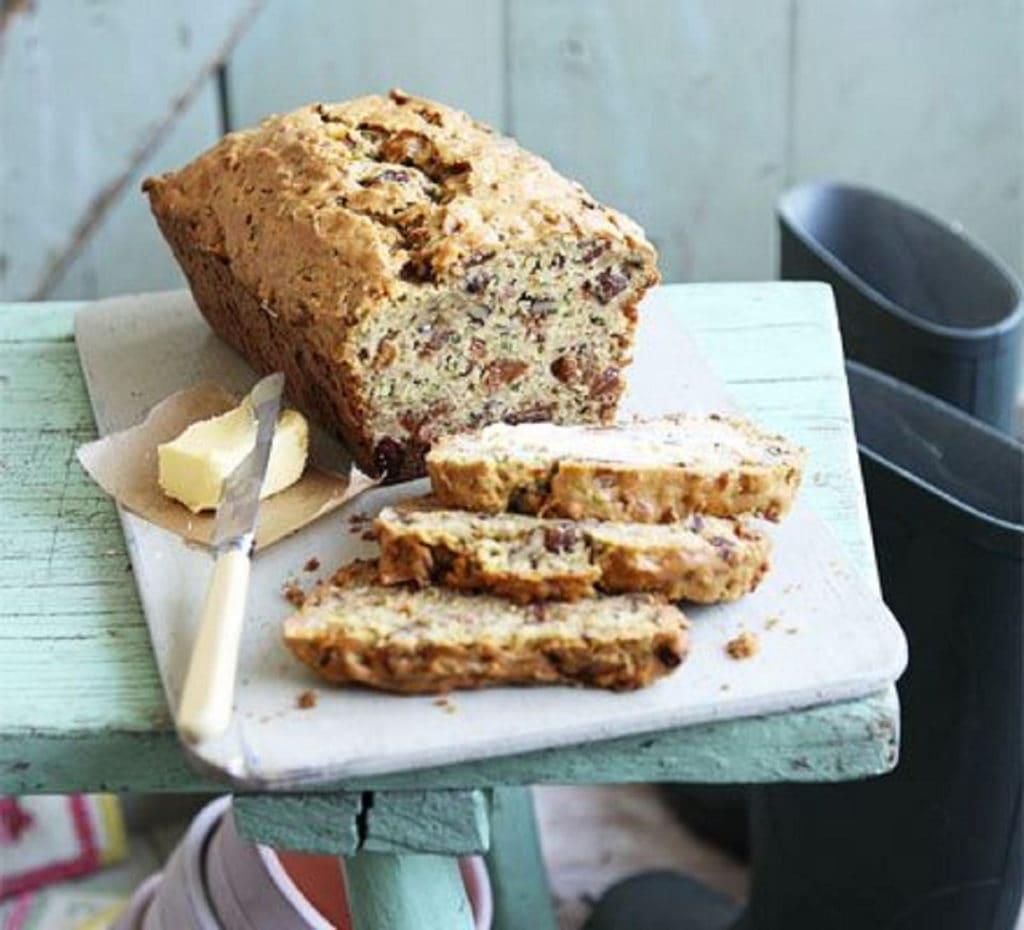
x=207, y=697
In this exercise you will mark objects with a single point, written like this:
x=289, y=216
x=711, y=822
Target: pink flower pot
x=131, y=917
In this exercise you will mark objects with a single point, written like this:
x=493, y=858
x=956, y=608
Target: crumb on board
x=446, y=704
x=306, y=699
x=292, y=593
x=743, y=645
x=772, y=622
x=368, y=535
x=792, y=629
x=723, y=687
x=358, y=520
x=312, y=564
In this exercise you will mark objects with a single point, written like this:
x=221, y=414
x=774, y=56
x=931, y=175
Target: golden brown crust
x=705, y=560
x=664, y=494
x=562, y=485
x=422, y=652
x=305, y=238
x=269, y=341
x=623, y=666
x=468, y=189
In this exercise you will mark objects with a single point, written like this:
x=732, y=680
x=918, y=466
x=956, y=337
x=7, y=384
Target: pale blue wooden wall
x=692, y=115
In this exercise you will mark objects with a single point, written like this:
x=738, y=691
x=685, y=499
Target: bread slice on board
x=525, y=558
x=653, y=471
x=397, y=638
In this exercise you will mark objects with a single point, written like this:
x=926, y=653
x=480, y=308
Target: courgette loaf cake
x=398, y=638
x=653, y=471
x=411, y=272
x=701, y=559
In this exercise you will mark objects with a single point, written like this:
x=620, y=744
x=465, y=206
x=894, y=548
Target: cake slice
x=702, y=559
x=397, y=638
x=653, y=471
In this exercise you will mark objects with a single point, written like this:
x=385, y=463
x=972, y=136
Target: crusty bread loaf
x=397, y=638
x=702, y=559
x=410, y=271
x=653, y=471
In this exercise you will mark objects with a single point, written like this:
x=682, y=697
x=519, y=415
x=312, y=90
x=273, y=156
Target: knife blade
x=235, y=521
x=204, y=710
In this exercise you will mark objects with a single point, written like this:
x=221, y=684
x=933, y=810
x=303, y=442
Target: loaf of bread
x=411, y=272
x=398, y=638
x=701, y=559
x=653, y=471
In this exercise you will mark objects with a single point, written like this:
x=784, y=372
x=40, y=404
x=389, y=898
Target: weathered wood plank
x=106, y=598
x=452, y=822
x=306, y=822
x=39, y=381
x=921, y=98
x=126, y=253
x=304, y=50
x=87, y=92
x=86, y=543
x=675, y=114
x=49, y=322
x=850, y=739
x=401, y=822
x=114, y=670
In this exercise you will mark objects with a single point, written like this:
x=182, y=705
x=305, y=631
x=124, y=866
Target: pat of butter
x=193, y=467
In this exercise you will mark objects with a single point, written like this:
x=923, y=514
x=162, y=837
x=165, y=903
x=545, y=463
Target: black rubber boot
x=715, y=813
x=662, y=901
x=937, y=844
x=916, y=298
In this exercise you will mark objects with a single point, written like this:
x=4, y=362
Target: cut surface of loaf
x=354, y=629
x=703, y=559
x=411, y=272
x=653, y=471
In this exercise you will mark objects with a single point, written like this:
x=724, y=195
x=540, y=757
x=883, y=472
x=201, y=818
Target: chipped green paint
x=447, y=822
x=452, y=821
x=518, y=877
x=388, y=892
x=846, y=740
x=326, y=823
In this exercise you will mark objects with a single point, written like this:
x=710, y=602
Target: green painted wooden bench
x=81, y=707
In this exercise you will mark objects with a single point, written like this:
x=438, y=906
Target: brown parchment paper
x=125, y=465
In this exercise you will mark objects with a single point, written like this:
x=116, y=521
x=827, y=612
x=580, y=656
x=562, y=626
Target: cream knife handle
x=206, y=700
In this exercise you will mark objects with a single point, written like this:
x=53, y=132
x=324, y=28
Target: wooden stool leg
x=522, y=900
x=406, y=892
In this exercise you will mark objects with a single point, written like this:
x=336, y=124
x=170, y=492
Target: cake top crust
x=397, y=192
